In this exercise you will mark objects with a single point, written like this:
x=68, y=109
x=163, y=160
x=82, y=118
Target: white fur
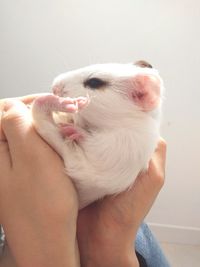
x=119, y=137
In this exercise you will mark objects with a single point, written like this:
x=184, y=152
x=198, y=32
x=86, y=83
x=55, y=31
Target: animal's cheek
x=145, y=91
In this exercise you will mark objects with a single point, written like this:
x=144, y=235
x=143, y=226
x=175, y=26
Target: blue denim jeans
x=147, y=246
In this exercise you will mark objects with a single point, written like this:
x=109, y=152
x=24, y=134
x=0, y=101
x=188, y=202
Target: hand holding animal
x=104, y=121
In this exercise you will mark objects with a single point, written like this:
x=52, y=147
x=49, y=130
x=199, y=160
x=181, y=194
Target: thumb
x=5, y=160
x=16, y=124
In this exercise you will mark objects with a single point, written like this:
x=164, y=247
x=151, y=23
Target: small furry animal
x=109, y=139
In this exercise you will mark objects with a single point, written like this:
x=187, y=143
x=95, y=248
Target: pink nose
x=56, y=90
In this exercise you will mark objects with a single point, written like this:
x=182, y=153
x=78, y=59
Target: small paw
x=71, y=132
x=55, y=103
x=62, y=104
x=72, y=105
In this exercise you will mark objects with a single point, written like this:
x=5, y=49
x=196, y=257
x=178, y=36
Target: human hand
x=107, y=228
x=38, y=202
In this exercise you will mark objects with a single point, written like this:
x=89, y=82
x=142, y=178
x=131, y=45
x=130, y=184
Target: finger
x=28, y=99
x=2, y=135
x=161, y=148
x=5, y=160
x=17, y=127
x=158, y=160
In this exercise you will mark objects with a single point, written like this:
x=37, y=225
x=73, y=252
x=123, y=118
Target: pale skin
x=39, y=204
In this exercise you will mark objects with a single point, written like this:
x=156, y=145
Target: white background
x=40, y=39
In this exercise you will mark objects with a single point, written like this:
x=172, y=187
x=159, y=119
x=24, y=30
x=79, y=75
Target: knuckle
x=9, y=121
x=7, y=118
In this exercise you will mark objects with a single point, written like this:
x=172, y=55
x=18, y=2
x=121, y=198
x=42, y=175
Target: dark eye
x=95, y=83
x=143, y=64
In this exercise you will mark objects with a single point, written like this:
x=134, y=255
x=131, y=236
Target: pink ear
x=145, y=91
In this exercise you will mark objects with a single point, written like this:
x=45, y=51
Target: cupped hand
x=38, y=202
x=107, y=228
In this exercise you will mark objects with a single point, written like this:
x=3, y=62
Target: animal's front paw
x=50, y=103
x=45, y=107
x=71, y=132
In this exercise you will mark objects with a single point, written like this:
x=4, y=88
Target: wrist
x=109, y=257
x=43, y=244
x=126, y=262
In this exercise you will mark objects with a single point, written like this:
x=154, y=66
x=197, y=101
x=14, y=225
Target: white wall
x=40, y=39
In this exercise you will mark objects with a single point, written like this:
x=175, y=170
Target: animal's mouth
x=62, y=118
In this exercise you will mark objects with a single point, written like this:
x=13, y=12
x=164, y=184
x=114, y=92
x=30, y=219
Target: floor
x=182, y=255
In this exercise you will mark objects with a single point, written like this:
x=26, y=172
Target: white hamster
x=115, y=131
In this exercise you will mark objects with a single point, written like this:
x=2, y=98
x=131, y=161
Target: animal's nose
x=57, y=89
